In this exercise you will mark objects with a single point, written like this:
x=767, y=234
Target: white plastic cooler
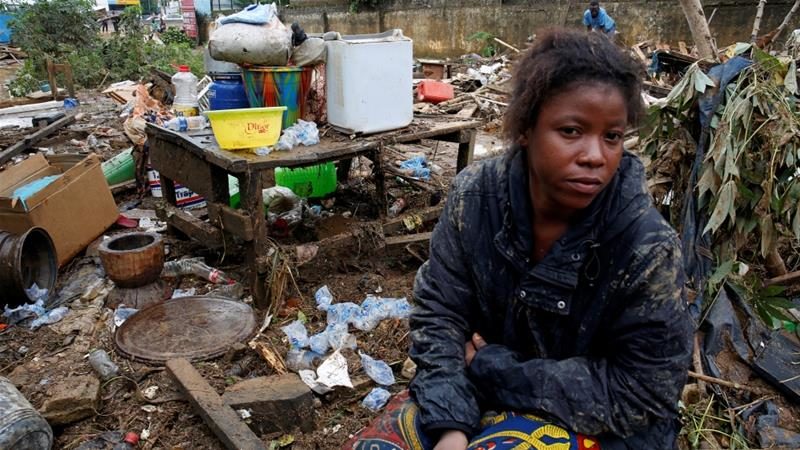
x=368, y=78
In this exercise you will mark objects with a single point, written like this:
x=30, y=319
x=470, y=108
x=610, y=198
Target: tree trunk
x=693, y=10
x=776, y=32
x=757, y=22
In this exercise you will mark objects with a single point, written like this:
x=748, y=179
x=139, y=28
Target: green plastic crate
x=314, y=181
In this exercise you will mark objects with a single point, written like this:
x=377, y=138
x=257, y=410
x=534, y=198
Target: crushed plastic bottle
x=51, y=316
x=305, y=133
x=376, y=399
x=378, y=370
x=324, y=298
x=375, y=309
x=102, y=364
x=397, y=207
x=297, y=334
x=194, y=266
x=36, y=293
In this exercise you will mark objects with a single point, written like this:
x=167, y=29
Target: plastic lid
x=131, y=438
x=183, y=68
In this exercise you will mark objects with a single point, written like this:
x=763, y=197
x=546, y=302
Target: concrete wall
x=440, y=27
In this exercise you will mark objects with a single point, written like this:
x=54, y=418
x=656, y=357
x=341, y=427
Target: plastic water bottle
x=102, y=364
x=185, y=84
x=183, y=123
x=397, y=207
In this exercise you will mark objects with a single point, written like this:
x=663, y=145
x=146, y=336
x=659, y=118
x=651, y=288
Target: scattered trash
x=26, y=311
x=152, y=225
x=303, y=133
x=187, y=123
x=51, y=316
x=376, y=399
x=297, y=334
x=122, y=314
x=378, y=370
x=194, y=266
x=150, y=392
x=149, y=409
x=234, y=290
x=297, y=359
x=36, y=293
x=22, y=426
x=417, y=167
x=376, y=309
x=397, y=207
x=409, y=369
x=102, y=364
x=331, y=373
x=244, y=414
x=178, y=293
x=239, y=40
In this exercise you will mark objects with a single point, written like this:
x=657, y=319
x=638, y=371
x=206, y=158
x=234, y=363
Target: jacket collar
x=605, y=218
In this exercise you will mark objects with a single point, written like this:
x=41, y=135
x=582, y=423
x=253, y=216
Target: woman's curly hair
x=560, y=58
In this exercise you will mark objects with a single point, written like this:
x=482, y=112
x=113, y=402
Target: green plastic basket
x=314, y=181
x=119, y=169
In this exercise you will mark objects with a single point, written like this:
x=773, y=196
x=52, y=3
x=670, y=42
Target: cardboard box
x=75, y=208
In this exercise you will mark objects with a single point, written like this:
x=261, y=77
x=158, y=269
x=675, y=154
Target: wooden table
x=195, y=160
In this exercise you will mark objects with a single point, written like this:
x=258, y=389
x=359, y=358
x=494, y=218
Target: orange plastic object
x=434, y=91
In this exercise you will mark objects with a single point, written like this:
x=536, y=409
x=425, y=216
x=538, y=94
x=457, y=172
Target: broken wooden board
x=33, y=138
x=426, y=215
x=190, y=225
x=222, y=420
x=276, y=403
x=399, y=241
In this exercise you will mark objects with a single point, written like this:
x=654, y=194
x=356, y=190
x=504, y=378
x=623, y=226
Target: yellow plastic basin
x=246, y=128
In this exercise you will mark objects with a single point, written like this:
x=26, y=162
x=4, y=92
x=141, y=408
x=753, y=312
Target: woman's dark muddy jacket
x=596, y=336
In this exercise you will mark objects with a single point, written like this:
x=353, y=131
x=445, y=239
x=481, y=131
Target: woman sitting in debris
x=551, y=310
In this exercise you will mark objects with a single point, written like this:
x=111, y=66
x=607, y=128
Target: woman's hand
x=452, y=440
x=472, y=347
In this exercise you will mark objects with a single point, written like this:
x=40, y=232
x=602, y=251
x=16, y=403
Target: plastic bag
x=297, y=334
x=252, y=14
x=20, y=313
x=310, y=52
x=376, y=399
x=279, y=199
x=418, y=167
x=378, y=370
x=324, y=298
x=122, y=314
x=343, y=313
x=374, y=310
x=243, y=43
x=51, y=316
x=305, y=133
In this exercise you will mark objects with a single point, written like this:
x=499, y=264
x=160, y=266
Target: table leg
x=220, y=192
x=168, y=190
x=466, y=148
x=250, y=186
x=378, y=176
x=343, y=170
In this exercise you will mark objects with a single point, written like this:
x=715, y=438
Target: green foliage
x=357, y=5
x=126, y=55
x=25, y=81
x=707, y=422
x=488, y=46
x=54, y=28
x=175, y=36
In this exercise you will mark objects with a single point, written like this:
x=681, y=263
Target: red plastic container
x=434, y=91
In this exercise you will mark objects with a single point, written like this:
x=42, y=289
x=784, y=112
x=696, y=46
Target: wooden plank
x=32, y=139
x=191, y=226
x=221, y=418
x=466, y=150
x=399, y=241
x=428, y=214
x=233, y=221
x=181, y=166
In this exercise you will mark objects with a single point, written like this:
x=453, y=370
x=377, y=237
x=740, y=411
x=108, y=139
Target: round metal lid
x=195, y=328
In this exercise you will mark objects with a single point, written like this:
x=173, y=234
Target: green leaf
x=723, y=270
x=772, y=291
x=702, y=81
x=796, y=222
x=723, y=207
x=301, y=317
x=790, y=81
x=767, y=234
